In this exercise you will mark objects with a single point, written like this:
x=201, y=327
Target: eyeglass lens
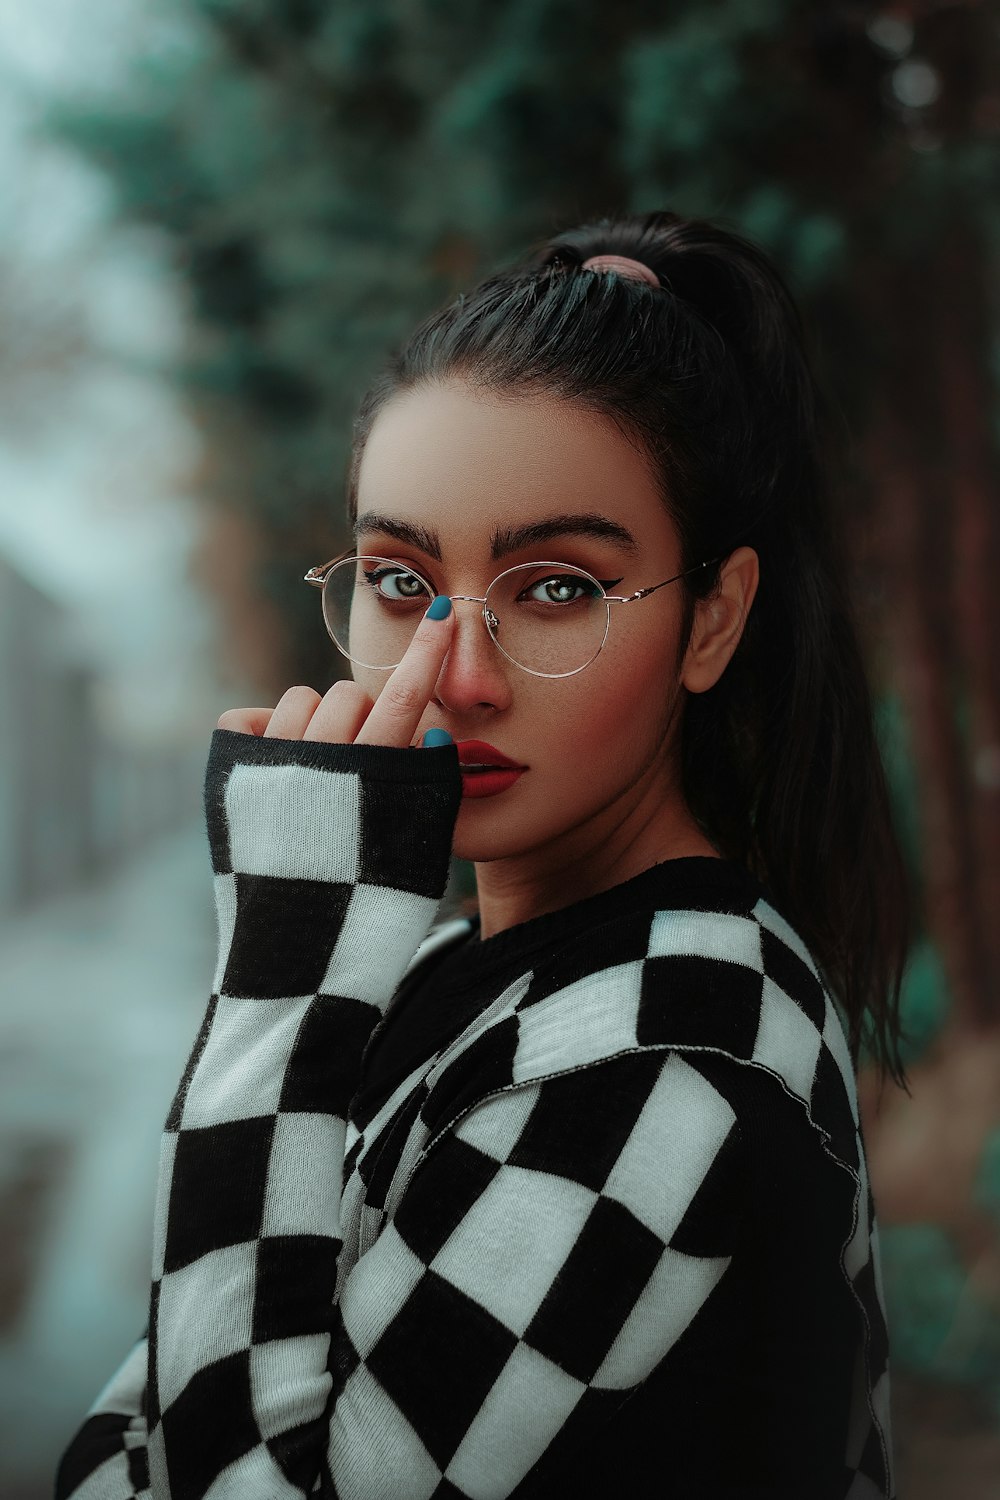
x=549, y=620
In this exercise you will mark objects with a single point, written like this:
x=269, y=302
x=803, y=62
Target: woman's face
x=467, y=469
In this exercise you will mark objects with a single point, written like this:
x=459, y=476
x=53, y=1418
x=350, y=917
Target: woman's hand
x=346, y=715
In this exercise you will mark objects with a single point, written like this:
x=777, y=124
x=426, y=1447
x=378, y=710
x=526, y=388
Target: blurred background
x=216, y=217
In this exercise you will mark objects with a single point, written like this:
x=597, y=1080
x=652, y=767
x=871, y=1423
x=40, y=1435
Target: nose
x=474, y=673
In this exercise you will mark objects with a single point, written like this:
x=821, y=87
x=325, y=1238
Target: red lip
x=479, y=753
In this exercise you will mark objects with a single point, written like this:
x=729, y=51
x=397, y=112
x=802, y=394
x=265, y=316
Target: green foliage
x=811, y=246
x=678, y=88
x=986, y=1192
x=939, y=1326
x=924, y=1002
x=924, y=997
x=895, y=744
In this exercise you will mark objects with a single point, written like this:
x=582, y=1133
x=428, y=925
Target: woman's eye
x=561, y=589
x=400, y=586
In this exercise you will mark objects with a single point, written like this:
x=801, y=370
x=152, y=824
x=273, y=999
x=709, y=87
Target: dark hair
x=708, y=374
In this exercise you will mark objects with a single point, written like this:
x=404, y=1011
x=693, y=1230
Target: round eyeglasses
x=549, y=618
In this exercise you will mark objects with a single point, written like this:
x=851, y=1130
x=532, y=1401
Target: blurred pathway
x=101, y=994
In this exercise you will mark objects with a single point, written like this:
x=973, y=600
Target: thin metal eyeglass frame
x=316, y=578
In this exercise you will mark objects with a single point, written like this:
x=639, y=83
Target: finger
x=290, y=719
x=340, y=715
x=400, y=705
x=245, y=720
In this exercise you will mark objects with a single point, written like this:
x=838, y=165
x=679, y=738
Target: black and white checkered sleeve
x=547, y=1251
x=106, y=1458
x=329, y=863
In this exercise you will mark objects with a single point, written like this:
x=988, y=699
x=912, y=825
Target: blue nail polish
x=439, y=608
x=434, y=737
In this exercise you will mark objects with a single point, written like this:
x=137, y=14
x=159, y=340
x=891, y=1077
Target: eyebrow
x=504, y=539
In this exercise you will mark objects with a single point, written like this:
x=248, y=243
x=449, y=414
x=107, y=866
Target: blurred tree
x=46, y=344
x=331, y=172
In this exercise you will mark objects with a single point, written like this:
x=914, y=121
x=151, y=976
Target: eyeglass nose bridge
x=490, y=620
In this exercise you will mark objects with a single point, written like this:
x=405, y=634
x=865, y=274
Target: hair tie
x=622, y=265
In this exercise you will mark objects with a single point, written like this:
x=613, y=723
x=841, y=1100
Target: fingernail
x=439, y=608
x=433, y=737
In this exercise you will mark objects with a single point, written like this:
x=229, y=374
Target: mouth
x=485, y=769
x=489, y=780
x=476, y=757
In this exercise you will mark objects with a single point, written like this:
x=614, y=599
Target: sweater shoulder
x=739, y=984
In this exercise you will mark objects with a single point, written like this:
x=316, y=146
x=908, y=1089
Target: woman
x=569, y=1197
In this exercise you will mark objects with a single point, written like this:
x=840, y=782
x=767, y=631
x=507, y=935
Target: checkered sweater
x=560, y=1246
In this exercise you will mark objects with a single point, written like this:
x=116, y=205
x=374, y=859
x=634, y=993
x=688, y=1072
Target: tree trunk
x=968, y=399
x=914, y=495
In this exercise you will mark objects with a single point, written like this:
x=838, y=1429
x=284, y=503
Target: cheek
x=616, y=722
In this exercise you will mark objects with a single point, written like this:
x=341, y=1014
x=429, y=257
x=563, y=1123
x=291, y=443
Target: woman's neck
x=607, y=851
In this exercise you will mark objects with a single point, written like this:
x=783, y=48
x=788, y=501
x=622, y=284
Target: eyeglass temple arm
x=317, y=576
x=641, y=593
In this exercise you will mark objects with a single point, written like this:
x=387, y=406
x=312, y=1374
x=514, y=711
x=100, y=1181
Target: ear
x=719, y=621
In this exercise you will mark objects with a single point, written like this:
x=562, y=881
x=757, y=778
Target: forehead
x=465, y=461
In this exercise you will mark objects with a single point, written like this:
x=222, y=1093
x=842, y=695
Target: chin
x=501, y=837
x=479, y=851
